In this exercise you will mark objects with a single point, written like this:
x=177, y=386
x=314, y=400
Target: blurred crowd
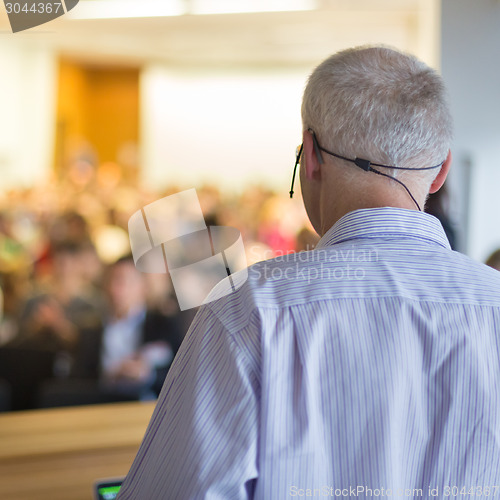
x=79, y=322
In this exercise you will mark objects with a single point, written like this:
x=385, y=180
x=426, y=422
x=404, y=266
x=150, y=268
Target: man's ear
x=441, y=177
x=312, y=165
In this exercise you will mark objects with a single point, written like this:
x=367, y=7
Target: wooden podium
x=57, y=454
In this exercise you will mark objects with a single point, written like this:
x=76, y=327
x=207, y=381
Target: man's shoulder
x=289, y=280
x=257, y=286
x=350, y=271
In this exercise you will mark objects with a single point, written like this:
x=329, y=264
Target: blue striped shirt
x=369, y=366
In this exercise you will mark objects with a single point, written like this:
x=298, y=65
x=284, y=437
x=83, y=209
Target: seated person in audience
x=62, y=311
x=132, y=353
x=52, y=325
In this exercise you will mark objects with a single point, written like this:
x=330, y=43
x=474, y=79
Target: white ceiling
x=282, y=39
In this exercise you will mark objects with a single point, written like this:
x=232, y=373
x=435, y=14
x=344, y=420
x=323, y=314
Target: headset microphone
x=365, y=165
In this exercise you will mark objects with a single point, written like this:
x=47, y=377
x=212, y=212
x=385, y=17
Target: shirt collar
x=386, y=222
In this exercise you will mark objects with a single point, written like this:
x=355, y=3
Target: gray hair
x=382, y=105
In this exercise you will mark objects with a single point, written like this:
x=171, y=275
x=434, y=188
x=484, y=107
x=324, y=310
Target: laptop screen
x=107, y=490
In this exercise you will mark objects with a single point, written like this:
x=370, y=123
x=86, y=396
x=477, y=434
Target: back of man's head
x=382, y=105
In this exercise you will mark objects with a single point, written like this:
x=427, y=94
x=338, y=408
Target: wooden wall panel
x=57, y=454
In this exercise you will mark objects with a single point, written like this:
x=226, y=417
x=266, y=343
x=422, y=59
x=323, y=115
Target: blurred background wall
x=203, y=77
x=470, y=48
x=28, y=102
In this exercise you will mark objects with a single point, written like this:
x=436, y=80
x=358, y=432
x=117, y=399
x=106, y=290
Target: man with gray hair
x=369, y=366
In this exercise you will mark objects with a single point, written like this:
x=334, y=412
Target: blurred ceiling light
x=247, y=6
x=116, y=9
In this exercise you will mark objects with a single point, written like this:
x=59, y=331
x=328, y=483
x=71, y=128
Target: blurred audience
x=93, y=317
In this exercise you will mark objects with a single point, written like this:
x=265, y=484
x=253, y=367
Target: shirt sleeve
x=201, y=442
